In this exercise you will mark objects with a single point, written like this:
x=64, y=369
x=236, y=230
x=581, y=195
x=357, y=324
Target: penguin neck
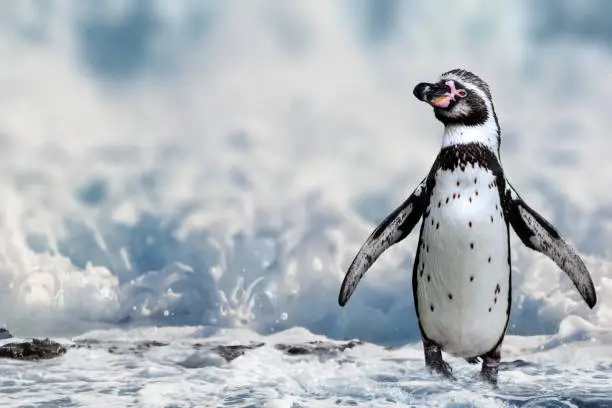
x=486, y=134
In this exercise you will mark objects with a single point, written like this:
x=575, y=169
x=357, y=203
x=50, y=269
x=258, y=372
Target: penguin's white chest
x=463, y=268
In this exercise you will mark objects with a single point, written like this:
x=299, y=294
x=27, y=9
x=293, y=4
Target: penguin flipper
x=540, y=235
x=392, y=230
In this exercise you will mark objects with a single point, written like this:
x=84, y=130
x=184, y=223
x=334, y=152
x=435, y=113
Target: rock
x=509, y=365
x=45, y=349
x=119, y=347
x=32, y=350
x=319, y=348
x=230, y=353
x=138, y=348
x=4, y=333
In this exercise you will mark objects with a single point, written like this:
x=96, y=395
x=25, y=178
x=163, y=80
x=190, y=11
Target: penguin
x=461, y=278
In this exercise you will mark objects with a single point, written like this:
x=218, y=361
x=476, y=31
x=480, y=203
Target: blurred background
x=183, y=162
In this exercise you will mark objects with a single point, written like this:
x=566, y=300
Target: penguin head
x=458, y=98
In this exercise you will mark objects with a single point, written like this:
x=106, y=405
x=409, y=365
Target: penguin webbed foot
x=441, y=368
x=490, y=367
x=434, y=361
x=473, y=360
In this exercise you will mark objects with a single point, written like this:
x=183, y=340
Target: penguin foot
x=441, y=368
x=473, y=360
x=434, y=362
x=490, y=367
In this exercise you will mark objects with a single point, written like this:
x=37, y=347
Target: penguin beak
x=437, y=95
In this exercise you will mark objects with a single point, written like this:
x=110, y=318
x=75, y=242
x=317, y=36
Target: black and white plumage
x=461, y=275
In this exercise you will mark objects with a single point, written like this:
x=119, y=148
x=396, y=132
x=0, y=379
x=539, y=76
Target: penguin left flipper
x=540, y=235
x=392, y=230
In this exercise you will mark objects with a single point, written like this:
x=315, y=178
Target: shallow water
x=183, y=370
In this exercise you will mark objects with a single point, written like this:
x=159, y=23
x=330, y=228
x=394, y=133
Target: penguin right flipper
x=540, y=235
x=392, y=230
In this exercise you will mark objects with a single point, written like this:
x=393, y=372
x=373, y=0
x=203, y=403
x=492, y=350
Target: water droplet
x=216, y=272
x=284, y=316
x=166, y=313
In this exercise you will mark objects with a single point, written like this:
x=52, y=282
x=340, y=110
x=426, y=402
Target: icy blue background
x=266, y=141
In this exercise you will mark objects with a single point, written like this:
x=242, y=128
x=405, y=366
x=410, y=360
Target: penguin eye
x=461, y=93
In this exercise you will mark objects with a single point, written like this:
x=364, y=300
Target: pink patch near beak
x=445, y=100
x=442, y=101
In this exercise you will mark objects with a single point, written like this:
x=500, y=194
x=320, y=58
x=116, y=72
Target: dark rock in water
x=138, y=348
x=45, y=349
x=232, y=352
x=509, y=365
x=318, y=348
x=4, y=333
x=119, y=347
x=32, y=350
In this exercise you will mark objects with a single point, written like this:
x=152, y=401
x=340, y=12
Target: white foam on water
x=183, y=370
